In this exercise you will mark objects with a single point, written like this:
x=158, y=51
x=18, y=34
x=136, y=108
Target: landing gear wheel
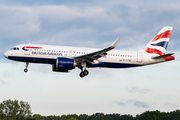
x=82, y=74
x=25, y=70
x=86, y=72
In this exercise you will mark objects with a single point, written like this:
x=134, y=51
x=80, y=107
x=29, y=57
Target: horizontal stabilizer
x=162, y=56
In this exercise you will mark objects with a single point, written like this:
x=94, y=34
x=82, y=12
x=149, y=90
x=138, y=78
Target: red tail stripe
x=165, y=34
x=32, y=47
x=151, y=50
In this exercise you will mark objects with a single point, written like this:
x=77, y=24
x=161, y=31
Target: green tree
x=83, y=117
x=175, y=115
x=72, y=119
x=72, y=116
x=14, y=110
x=97, y=116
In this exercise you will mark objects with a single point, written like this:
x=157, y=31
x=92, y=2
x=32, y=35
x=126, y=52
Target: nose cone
x=6, y=54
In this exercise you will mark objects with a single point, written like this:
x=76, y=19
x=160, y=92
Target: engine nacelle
x=63, y=64
x=58, y=69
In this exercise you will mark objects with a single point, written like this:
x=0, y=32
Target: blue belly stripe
x=53, y=61
x=33, y=59
x=113, y=65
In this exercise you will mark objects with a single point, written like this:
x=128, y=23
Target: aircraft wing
x=95, y=55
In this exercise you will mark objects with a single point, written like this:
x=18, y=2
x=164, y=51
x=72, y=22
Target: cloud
x=2, y=82
x=135, y=103
x=171, y=105
x=138, y=90
x=141, y=104
x=18, y=20
x=51, y=24
x=121, y=103
x=94, y=25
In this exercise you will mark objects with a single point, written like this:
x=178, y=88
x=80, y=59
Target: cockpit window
x=15, y=48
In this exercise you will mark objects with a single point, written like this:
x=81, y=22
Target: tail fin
x=160, y=42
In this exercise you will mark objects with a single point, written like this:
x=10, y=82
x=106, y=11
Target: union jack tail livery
x=160, y=42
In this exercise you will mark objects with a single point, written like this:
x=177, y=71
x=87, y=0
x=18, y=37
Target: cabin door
x=139, y=57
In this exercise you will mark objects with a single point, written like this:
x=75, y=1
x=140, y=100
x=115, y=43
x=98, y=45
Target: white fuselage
x=48, y=54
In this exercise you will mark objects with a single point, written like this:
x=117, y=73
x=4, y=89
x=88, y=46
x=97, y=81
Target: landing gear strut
x=26, y=69
x=85, y=72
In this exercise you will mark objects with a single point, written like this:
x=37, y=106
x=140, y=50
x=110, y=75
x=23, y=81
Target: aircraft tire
x=82, y=74
x=86, y=72
x=25, y=70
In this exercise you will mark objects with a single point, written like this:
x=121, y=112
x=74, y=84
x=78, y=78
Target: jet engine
x=63, y=65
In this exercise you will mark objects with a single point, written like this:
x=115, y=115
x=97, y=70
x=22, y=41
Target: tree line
x=20, y=110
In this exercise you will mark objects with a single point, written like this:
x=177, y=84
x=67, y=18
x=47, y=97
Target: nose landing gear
x=26, y=69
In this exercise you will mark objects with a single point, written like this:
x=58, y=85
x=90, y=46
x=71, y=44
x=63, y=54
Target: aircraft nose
x=6, y=54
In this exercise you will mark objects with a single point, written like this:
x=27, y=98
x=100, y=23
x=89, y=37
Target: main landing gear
x=85, y=72
x=26, y=69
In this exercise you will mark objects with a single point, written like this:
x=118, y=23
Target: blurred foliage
x=148, y=115
x=15, y=110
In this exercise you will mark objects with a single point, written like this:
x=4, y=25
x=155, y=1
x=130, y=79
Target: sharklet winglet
x=115, y=43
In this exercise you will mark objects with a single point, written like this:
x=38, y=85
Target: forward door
x=27, y=51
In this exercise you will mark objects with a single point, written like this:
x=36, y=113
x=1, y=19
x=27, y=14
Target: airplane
x=65, y=58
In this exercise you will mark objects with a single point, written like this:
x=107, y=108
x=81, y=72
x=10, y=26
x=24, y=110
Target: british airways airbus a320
x=63, y=58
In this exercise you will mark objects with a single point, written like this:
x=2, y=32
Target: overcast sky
x=95, y=23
